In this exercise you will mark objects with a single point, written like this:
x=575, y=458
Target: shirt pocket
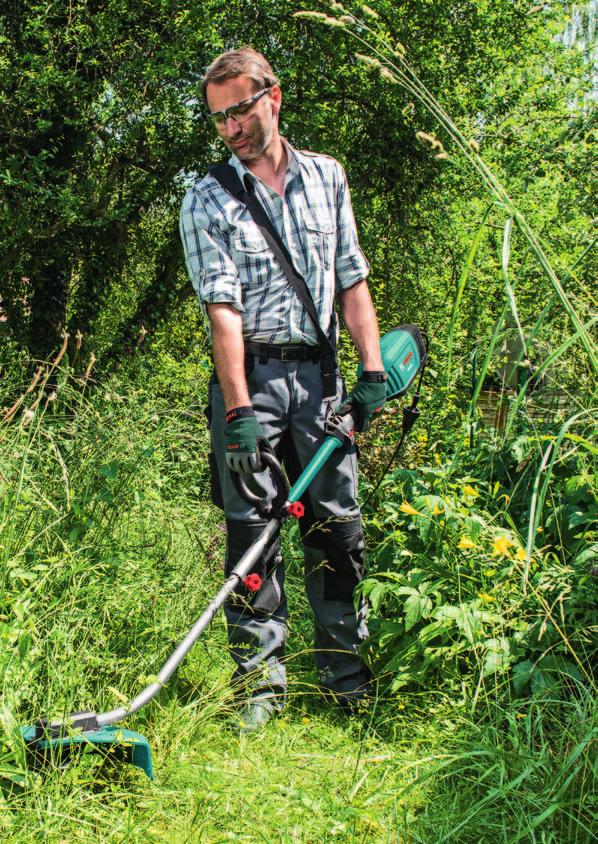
x=251, y=256
x=321, y=241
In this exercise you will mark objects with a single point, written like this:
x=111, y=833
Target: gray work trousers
x=287, y=400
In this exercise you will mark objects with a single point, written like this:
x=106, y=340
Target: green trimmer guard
x=113, y=742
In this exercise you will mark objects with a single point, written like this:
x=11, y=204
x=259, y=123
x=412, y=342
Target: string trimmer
x=404, y=354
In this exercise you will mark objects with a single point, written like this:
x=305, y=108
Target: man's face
x=251, y=134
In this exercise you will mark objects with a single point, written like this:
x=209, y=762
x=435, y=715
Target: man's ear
x=276, y=97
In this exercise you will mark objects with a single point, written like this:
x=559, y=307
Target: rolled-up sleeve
x=351, y=265
x=213, y=274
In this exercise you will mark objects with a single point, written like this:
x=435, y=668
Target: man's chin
x=247, y=153
x=250, y=151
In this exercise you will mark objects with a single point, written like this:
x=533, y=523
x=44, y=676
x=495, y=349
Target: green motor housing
x=404, y=354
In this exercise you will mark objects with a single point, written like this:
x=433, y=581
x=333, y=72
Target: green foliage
x=481, y=585
x=448, y=592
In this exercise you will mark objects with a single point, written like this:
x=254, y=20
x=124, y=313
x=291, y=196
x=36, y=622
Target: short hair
x=233, y=63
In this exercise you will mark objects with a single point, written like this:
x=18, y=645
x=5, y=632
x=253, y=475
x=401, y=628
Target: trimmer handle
x=269, y=461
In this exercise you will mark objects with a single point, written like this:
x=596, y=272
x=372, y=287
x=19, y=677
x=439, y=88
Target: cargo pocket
x=340, y=548
x=268, y=598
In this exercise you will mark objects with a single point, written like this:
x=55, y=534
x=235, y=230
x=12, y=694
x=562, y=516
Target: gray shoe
x=255, y=714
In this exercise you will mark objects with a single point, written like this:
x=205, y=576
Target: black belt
x=287, y=354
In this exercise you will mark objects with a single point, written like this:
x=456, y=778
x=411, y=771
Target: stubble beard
x=259, y=140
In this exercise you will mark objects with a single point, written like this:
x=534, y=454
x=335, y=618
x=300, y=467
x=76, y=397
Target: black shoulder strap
x=230, y=181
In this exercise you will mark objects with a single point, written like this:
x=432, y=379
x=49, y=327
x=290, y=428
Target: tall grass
x=391, y=62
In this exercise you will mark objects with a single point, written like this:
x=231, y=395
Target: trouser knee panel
x=342, y=551
x=268, y=598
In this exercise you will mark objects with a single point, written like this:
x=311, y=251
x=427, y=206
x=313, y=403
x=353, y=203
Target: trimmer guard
x=114, y=742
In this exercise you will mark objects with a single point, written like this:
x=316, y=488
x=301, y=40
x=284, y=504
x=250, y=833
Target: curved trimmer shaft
x=92, y=721
x=89, y=721
x=240, y=571
x=246, y=563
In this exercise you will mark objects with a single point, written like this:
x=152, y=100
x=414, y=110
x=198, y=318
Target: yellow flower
x=436, y=511
x=520, y=554
x=465, y=543
x=408, y=509
x=469, y=490
x=486, y=598
x=500, y=546
x=490, y=572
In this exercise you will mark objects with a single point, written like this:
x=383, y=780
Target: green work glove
x=367, y=398
x=240, y=440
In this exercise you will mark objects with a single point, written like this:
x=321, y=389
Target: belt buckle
x=290, y=355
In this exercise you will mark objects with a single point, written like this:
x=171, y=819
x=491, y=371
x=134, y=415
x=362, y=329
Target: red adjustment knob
x=252, y=582
x=296, y=509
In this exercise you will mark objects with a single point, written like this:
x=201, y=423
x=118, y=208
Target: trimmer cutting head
x=45, y=749
x=404, y=353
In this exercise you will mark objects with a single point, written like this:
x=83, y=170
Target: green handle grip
x=329, y=445
x=339, y=430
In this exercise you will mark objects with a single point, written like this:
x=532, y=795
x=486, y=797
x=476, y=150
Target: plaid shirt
x=230, y=261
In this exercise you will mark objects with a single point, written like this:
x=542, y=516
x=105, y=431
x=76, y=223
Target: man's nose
x=232, y=127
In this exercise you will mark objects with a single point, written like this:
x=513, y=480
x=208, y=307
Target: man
x=269, y=374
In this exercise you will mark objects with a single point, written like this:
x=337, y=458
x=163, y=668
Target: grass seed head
x=442, y=156
x=335, y=22
x=337, y=7
x=408, y=110
x=385, y=73
x=316, y=15
x=430, y=142
x=426, y=140
x=370, y=12
x=473, y=144
x=368, y=60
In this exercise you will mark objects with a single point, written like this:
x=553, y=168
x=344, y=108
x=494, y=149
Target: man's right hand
x=240, y=440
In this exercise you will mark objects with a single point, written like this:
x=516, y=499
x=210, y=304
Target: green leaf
x=474, y=525
x=109, y=470
x=417, y=606
x=497, y=659
x=559, y=666
x=522, y=673
x=541, y=681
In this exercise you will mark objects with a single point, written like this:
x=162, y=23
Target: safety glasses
x=239, y=111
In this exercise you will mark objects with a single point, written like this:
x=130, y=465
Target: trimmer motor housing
x=404, y=354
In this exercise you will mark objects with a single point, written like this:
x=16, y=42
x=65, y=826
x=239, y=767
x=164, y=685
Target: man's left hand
x=366, y=400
